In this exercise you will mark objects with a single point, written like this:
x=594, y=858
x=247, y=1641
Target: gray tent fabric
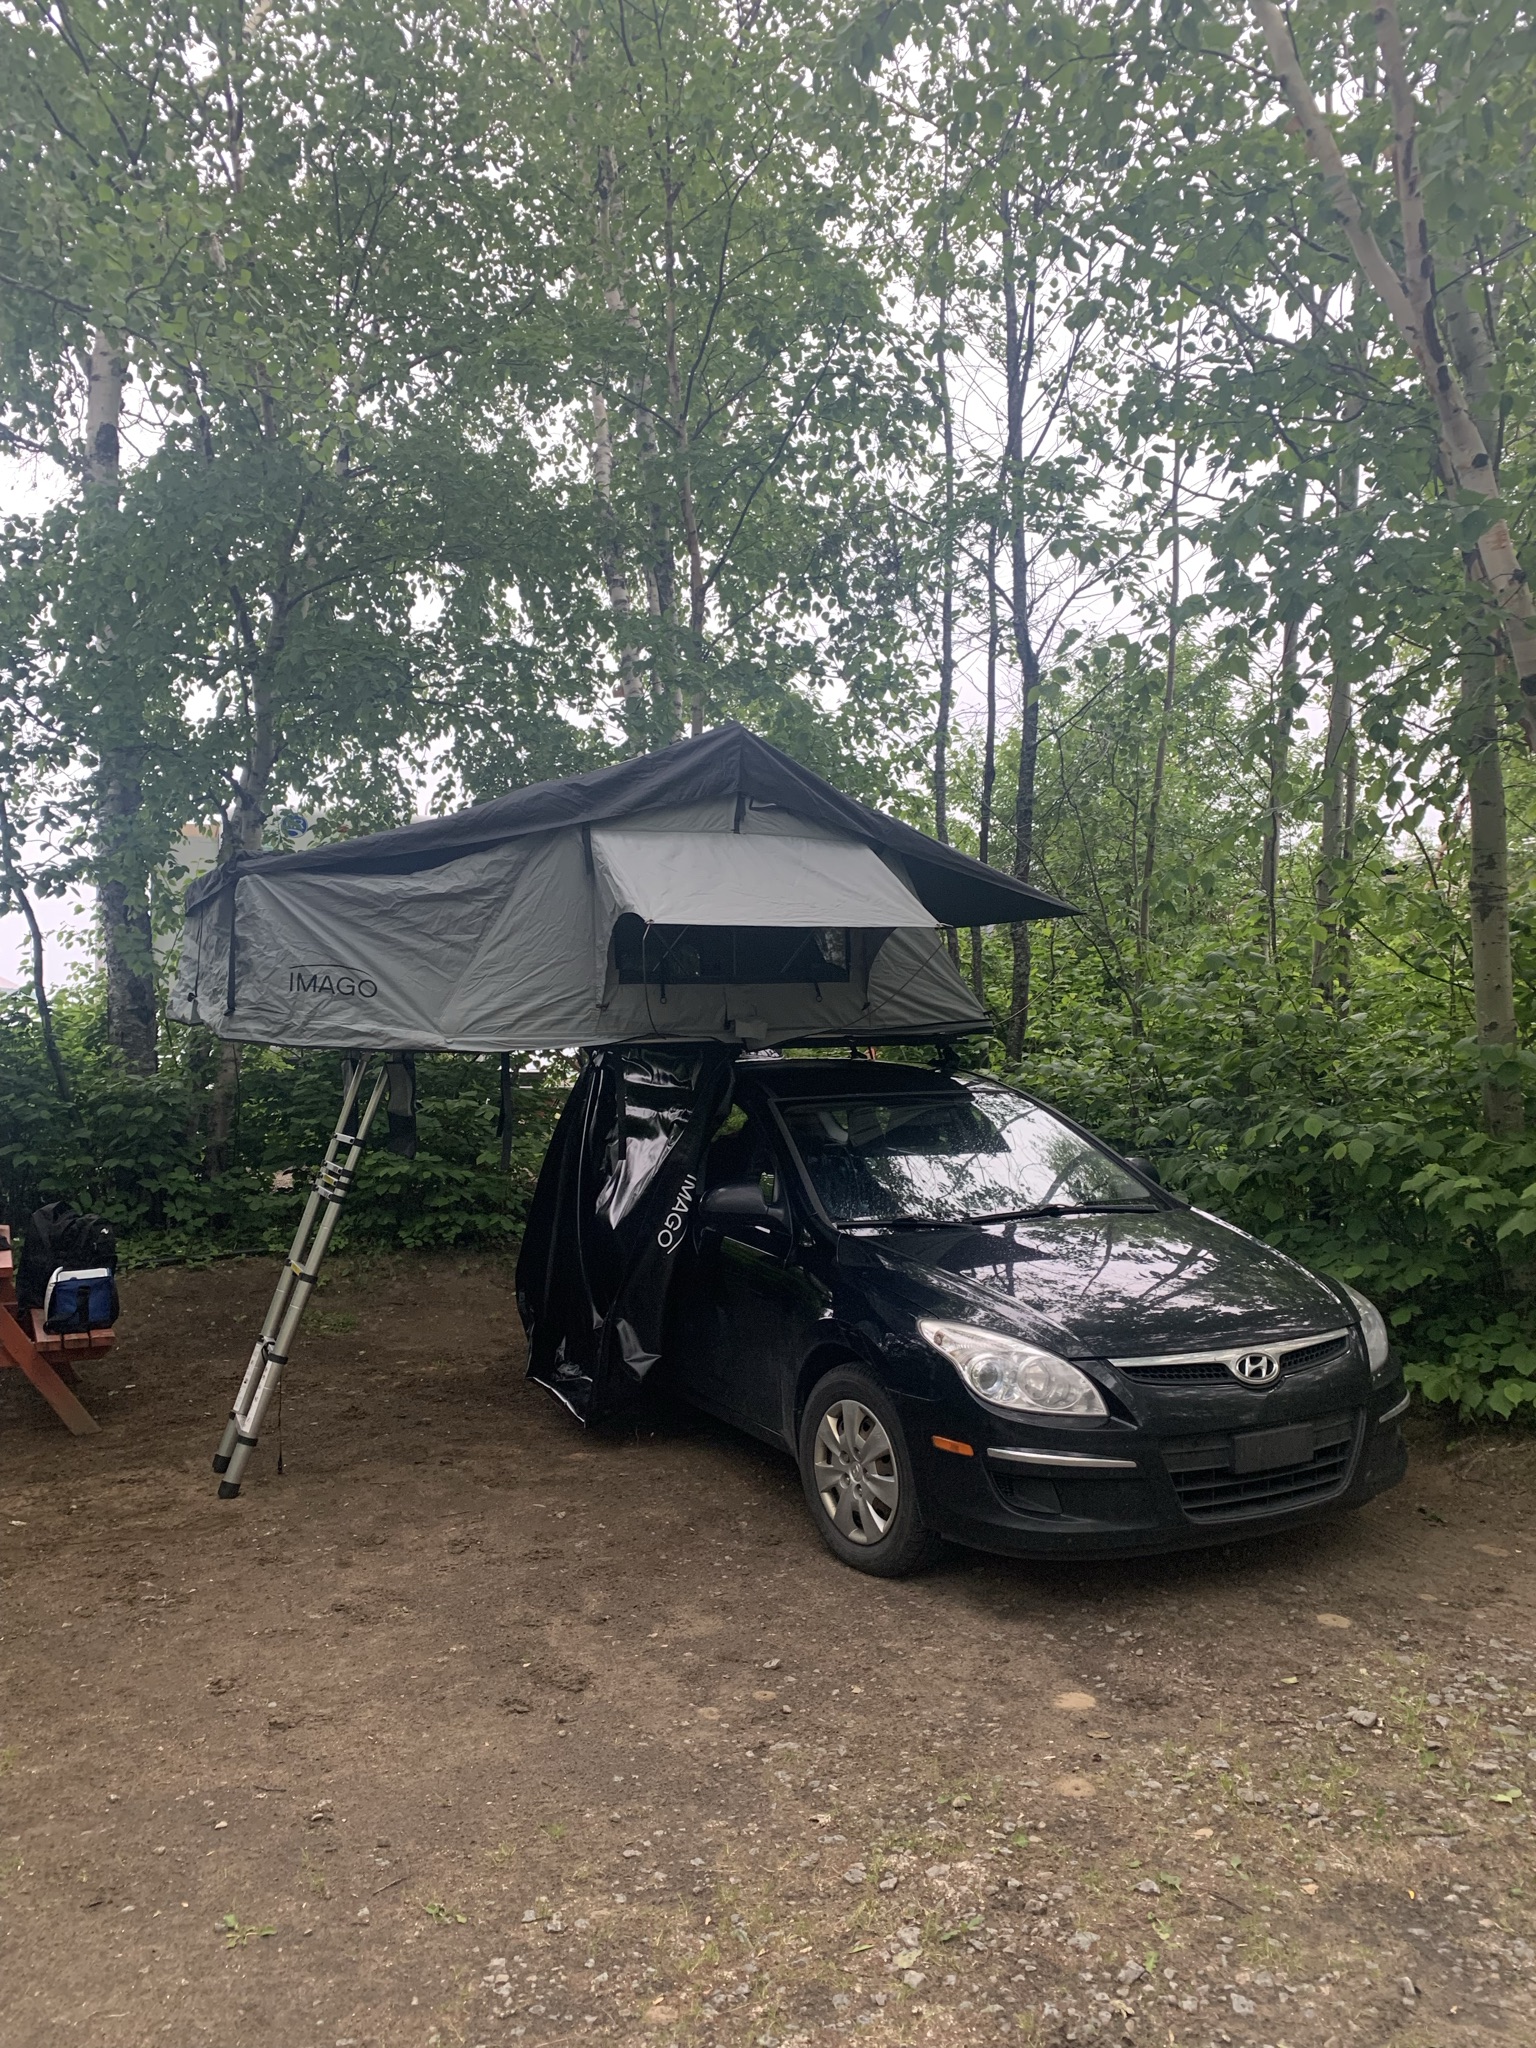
x=716, y=891
x=751, y=878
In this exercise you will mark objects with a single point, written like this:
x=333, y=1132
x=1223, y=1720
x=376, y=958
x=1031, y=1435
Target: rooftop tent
x=715, y=891
x=662, y=914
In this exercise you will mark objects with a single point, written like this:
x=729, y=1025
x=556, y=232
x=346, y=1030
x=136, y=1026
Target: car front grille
x=1174, y=1371
x=1315, y=1354
x=1179, y=1373
x=1211, y=1489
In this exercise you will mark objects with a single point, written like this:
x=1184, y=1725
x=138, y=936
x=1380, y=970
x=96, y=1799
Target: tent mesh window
x=676, y=955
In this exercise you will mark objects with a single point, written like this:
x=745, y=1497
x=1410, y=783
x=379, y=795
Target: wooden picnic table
x=43, y=1357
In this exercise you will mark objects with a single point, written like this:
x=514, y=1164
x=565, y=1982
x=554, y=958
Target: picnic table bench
x=44, y=1357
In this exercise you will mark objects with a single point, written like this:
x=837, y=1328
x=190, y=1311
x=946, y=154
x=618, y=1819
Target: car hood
x=1125, y=1285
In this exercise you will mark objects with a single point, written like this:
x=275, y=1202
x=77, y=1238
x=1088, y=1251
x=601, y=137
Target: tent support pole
x=297, y=1279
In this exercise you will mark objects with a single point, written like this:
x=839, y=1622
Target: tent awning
x=730, y=878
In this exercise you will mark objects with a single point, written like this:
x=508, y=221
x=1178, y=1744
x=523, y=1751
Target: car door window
x=739, y=1154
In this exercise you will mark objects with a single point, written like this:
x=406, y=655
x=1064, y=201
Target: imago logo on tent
x=329, y=981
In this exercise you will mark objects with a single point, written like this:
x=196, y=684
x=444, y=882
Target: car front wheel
x=858, y=1478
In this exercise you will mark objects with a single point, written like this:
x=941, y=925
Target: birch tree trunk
x=1493, y=991
x=693, y=546
x=611, y=559
x=610, y=544
x=1170, y=671
x=697, y=586
x=989, y=753
x=11, y=885
x=1279, y=768
x=1330, y=951
x=1018, y=352
x=122, y=891
x=1023, y=798
x=946, y=592
x=123, y=897
x=1410, y=303
x=1281, y=730
x=946, y=614
x=661, y=569
x=106, y=374
x=244, y=820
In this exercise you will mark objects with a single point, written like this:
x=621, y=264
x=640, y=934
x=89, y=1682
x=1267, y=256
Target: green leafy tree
x=271, y=228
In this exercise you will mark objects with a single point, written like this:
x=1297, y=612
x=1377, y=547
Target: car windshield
x=972, y=1154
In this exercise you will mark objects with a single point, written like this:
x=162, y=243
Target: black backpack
x=57, y=1236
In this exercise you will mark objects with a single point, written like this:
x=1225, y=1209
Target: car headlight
x=1012, y=1374
x=1373, y=1328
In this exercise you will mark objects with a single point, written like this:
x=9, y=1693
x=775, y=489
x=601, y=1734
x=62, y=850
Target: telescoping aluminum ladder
x=300, y=1271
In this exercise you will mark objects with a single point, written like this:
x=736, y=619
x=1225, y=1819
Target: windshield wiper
x=1065, y=1209
x=905, y=1222
x=996, y=1216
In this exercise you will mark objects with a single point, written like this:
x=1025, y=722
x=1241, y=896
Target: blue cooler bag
x=79, y=1299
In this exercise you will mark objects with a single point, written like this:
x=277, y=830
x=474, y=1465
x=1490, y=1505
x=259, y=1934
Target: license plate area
x=1235, y=1477
x=1265, y=1450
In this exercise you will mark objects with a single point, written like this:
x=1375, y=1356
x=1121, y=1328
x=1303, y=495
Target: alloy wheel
x=856, y=1473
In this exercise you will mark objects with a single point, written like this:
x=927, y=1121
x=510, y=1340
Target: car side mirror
x=736, y=1202
x=748, y=1211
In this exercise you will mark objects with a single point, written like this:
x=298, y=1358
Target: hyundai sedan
x=969, y=1320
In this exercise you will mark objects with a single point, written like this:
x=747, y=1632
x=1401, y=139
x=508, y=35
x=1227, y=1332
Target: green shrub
x=1488, y=1370
x=1351, y=1141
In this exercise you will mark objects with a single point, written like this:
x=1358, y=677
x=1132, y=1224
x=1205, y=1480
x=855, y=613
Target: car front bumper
x=1131, y=1492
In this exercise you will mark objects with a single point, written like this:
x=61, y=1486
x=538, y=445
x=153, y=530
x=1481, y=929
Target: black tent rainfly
x=665, y=914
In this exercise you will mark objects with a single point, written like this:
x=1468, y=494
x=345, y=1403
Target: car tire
x=858, y=1478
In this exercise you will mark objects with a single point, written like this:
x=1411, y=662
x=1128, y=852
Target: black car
x=968, y=1319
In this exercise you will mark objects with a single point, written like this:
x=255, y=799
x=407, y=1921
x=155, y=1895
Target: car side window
x=739, y=1152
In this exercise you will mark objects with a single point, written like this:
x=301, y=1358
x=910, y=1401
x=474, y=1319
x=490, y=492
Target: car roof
x=787, y=1079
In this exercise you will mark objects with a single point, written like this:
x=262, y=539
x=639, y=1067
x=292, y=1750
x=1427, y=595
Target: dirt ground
x=471, y=1729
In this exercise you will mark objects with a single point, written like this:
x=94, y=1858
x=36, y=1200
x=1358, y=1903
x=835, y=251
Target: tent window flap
x=681, y=955
x=751, y=880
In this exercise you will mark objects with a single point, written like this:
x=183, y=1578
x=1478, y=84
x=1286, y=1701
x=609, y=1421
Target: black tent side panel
x=553, y=1299
x=610, y=1216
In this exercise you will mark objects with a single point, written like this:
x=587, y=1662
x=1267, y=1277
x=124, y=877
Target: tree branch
x=1411, y=310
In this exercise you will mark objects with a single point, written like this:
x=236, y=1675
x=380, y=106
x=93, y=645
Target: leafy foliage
x=1349, y=1132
